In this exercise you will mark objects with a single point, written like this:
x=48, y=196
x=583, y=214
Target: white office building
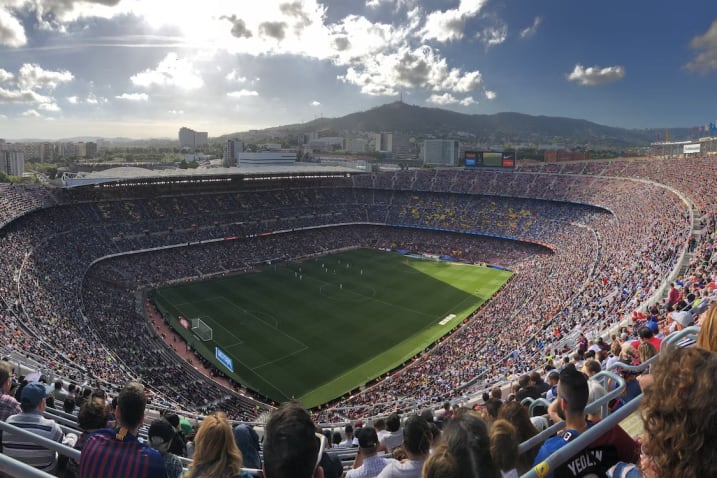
x=12, y=162
x=440, y=152
x=188, y=138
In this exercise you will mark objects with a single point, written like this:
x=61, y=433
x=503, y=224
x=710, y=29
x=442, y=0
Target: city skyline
x=129, y=68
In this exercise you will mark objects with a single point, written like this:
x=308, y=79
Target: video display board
x=489, y=159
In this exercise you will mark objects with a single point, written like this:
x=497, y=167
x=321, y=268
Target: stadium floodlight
x=202, y=330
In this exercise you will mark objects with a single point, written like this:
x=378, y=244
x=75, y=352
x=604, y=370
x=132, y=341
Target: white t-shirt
x=404, y=469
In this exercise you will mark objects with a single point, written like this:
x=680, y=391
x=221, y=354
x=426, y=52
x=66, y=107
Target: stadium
x=586, y=245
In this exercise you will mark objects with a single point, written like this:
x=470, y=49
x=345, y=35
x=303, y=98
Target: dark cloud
x=413, y=70
x=342, y=43
x=239, y=28
x=275, y=30
x=295, y=9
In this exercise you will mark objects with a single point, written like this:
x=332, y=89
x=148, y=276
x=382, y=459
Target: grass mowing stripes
x=317, y=329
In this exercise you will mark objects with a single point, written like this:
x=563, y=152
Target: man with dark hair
x=416, y=444
x=368, y=464
x=527, y=389
x=117, y=452
x=394, y=437
x=292, y=448
x=594, y=460
x=349, y=434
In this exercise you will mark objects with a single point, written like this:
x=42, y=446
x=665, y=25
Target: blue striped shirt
x=23, y=449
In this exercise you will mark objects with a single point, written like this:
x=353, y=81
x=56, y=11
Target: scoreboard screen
x=489, y=159
x=471, y=159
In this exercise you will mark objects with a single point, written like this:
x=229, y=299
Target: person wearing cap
x=32, y=404
x=160, y=437
x=117, y=452
x=367, y=464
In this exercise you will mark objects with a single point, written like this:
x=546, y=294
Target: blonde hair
x=707, y=338
x=216, y=454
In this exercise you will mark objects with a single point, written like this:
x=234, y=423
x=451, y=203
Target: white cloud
x=596, y=75
x=32, y=76
x=73, y=100
x=53, y=107
x=92, y=99
x=422, y=67
x=449, y=99
x=133, y=96
x=176, y=112
x=489, y=94
x=32, y=114
x=235, y=77
x=12, y=33
x=448, y=25
x=494, y=35
x=5, y=75
x=171, y=71
x=315, y=103
x=22, y=96
x=242, y=93
x=467, y=101
x=706, y=47
x=530, y=31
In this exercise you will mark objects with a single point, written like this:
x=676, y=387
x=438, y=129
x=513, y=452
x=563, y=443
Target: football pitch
x=317, y=329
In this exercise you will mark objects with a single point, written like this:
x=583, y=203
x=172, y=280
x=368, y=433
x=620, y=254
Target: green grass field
x=317, y=329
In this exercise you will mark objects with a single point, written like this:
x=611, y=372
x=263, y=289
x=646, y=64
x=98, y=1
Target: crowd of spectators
x=595, y=248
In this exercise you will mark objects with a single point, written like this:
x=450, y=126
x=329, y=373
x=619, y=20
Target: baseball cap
x=684, y=318
x=33, y=393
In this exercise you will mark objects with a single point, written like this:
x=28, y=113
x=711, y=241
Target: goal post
x=202, y=330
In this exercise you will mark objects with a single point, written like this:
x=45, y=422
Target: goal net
x=202, y=330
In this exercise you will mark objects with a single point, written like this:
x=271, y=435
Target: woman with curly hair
x=679, y=411
x=216, y=455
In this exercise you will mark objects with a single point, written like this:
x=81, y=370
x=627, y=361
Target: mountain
x=496, y=128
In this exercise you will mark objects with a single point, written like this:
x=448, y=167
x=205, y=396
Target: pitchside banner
x=224, y=358
x=691, y=148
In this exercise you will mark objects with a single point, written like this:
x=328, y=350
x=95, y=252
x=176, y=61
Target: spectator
x=292, y=449
x=160, y=437
x=517, y=416
x=90, y=418
x=467, y=451
x=615, y=445
x=30, y=418
x=216, y=454
x=504, y=448
x=707, y=338
x=394, y=437
x=368, y=464
x=179, y=445
x=416, y=444
x=349, y=434
x=117, y=452
x=679, y=412
x=8, y=404
x=247, y=440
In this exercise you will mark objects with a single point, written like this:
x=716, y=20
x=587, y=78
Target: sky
x=144, y=68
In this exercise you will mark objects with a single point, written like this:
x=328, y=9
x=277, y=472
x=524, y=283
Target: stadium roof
x=124, y=173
